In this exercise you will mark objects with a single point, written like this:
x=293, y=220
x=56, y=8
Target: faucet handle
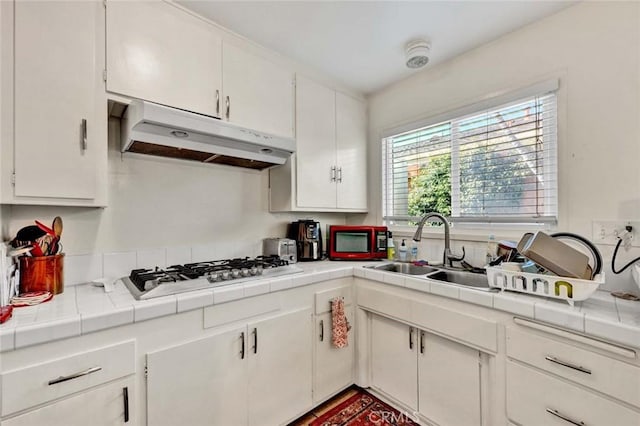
x=455, y=258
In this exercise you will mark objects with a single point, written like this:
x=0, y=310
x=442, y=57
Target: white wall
x=594, y=49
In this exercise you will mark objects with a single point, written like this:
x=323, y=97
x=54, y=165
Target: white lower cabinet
x=106, y=405
x=280, y=358
x=211, y=375
x=334, y=366
x=559, y=378
x=535, y=398
x=431, y=375
x=237, y=377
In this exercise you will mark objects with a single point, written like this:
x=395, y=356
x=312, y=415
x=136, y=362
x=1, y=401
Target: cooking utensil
x=555, y=256
x=57, y=226
x=19, y=251
x=45, y=228
x=29, y=233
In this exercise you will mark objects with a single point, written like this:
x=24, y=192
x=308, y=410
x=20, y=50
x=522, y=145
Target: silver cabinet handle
x=411, y=338
x=217, y=102
x=564, y=417
x=242, y=346
x=322, y=330
x=421, y=342
x=228, y=103
x=333, y=174
x=339, y=178
x=84, y=134
x=568, y=365
x=74, y=376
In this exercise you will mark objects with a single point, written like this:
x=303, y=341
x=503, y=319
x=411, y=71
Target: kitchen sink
x=464, y=278
x=405, y=268
x=468, y=279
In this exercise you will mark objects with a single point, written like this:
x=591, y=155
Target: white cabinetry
x=106, y=405
x=258, y=94
x=435, y=376
x=73, y=389
x=160, y=53
x=328, y=171
x=334, y=367
x=560, y=378
x=213, y=373
x=238, y=376
x=53, y=106
x=393, y=360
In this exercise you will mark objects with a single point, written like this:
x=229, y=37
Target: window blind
x=494, y=165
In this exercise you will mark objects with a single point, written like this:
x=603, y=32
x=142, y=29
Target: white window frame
x=538, y=89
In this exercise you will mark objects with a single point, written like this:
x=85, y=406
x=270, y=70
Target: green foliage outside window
x=430, y=190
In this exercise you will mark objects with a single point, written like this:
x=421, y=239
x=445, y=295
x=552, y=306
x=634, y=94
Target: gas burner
x=148, y=283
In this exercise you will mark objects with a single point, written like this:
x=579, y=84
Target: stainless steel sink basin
x=463, y=278
x=405, y=268
x=468, y=279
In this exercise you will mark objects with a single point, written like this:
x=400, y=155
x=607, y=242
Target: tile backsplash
x=83, y=268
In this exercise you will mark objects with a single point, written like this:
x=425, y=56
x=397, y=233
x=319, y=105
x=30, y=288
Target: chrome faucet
x=447, y=257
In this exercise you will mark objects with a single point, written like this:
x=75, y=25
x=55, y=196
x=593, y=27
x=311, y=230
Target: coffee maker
x=308, y=238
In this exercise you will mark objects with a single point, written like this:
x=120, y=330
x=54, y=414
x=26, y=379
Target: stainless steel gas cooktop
x=149, y=283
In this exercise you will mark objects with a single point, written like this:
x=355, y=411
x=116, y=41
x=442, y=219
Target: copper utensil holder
x=42, y=273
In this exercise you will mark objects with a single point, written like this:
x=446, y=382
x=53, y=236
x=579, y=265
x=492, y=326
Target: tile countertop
x=85, y=308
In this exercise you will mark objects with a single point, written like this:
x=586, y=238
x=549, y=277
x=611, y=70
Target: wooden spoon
x=57, y=226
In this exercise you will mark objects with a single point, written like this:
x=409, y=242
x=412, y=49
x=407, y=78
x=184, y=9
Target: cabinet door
x=56, y=75
x=259, y=93
x=351, y=154
x=316, y=149
x=102, y=406
x=162, y=54
x=393, y=359
x=449, y=381
x=280, y=368
x=199, y=383
x=334, y=366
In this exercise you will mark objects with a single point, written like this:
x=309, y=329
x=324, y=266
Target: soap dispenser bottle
x=402, y=252
x=391, y=248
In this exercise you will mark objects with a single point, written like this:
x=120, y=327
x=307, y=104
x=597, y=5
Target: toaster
x=283, y=247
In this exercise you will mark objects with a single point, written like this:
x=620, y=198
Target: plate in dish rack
x=569, y=289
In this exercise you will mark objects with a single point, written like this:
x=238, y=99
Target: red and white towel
x=339, y=324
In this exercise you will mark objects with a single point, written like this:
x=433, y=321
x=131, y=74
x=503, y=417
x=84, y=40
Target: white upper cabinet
x=328, y=172
x=258, y=94
x=59, y=111
x=160, y=53
x=316, y=154
x=351, y=149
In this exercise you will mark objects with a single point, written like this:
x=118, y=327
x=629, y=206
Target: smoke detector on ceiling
x=417, y=52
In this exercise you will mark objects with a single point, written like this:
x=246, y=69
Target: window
x=493, y=165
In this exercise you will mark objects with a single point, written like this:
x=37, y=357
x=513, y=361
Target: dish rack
x=569, y=289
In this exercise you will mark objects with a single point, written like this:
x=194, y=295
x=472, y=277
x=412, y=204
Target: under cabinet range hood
x=149, y=128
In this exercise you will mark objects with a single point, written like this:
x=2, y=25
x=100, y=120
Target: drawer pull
x=568, y=365
x=565, y=418
x=321, y=330
x=411, y=338
x=125, y=401
x=74, y=376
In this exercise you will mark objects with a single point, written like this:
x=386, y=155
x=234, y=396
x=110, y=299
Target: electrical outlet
x=608, y=231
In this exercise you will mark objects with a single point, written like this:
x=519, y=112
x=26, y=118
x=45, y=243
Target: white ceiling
x=361, y=43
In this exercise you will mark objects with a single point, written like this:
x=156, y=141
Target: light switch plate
x=607, y=231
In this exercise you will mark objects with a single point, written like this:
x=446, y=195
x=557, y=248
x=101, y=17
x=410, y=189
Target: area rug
x=359, y=409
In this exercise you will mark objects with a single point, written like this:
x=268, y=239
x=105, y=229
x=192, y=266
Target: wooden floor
x=323, y=408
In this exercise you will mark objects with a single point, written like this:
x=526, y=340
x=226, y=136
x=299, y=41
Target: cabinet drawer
x=29, y=386
x=324, y=298
x=607, y=375
x=474, y=330
x=384, y=303
x=535, y=398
